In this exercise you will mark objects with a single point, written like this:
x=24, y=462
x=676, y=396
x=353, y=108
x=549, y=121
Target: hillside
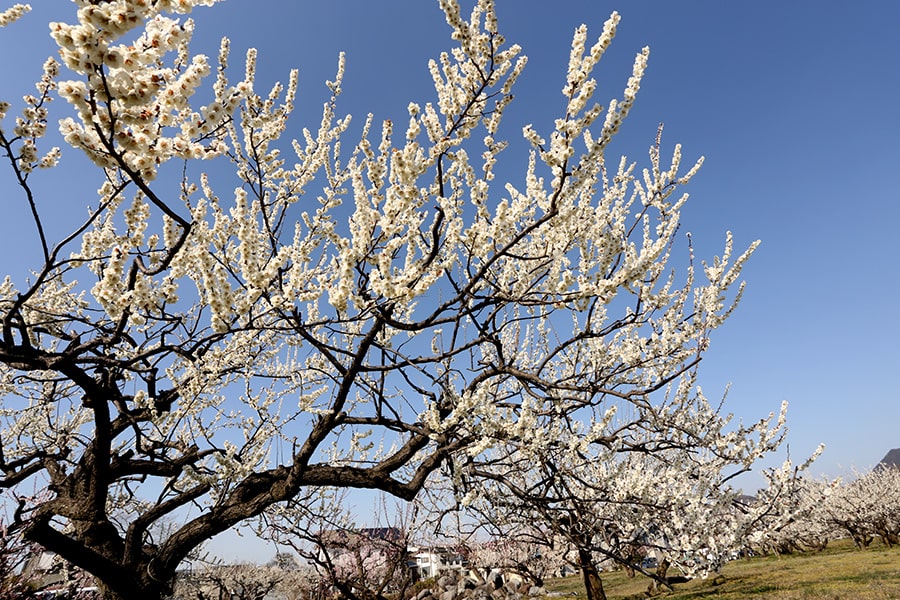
x=891, y=459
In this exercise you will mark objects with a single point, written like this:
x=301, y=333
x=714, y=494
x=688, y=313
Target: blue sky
x=794, y=104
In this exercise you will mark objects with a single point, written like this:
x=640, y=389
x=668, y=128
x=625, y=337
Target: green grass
x=839, y=573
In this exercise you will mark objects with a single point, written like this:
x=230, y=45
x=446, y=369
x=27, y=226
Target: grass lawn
x=839, y=573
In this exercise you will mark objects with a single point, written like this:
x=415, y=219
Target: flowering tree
x=818, y=511
x=282, y=577
x=796, y=521
x=526, y=549
x=234, y=582
x=357, y=315
x=867, y=507
x=655, y=485
x=359, y=563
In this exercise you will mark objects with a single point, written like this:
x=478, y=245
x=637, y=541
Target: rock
x=426, y=593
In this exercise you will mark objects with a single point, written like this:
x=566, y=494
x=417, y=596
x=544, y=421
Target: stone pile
x=455, y=586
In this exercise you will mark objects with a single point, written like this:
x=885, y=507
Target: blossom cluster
x=31, y=125
x=13, y=13
x=133, y=110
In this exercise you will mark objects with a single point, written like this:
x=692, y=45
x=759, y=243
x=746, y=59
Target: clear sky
x=795, y=104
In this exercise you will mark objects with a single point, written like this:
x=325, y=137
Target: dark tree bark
x=590, y=575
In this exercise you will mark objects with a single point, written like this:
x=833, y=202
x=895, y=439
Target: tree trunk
x=141, y=580
x=593, y=585
x=137, y=593
x=139, y=588
x=662, y=569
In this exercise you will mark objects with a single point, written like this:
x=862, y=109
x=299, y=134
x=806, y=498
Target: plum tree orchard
x=358, y=314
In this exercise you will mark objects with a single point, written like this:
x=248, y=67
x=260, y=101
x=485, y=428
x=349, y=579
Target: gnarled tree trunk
x=593, y=585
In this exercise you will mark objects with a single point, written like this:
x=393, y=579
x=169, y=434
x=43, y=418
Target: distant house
x=378, y=551
x=435, y=561
x=53, y=577
x=366, y=536
x=377, y=556
x=375, y=544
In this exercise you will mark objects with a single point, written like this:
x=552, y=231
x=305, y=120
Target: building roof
x=342, y=538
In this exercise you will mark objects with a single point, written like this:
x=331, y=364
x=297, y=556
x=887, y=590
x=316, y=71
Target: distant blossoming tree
x=235, y=582
x=796, y=520
x=356, y=315
x=867, y=507
x=524, y=549
x=659, y=489
x=358, y=563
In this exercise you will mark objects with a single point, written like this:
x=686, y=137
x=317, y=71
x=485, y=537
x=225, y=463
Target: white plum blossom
x=13, y=14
